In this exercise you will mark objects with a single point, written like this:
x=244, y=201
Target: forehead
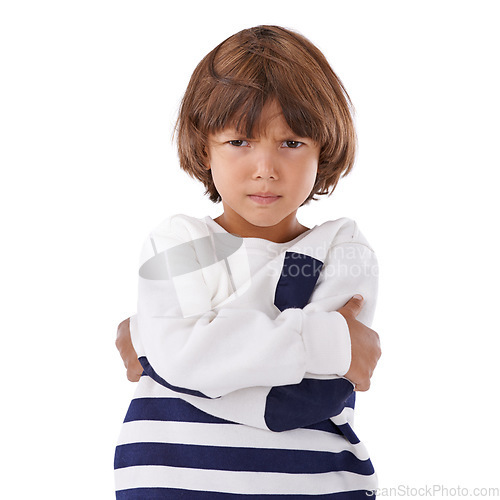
x=271, y=118
x=271, y=122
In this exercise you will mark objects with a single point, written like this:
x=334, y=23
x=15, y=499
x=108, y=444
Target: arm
x=279, y=408
x=194, y=346
x=364, y=341
x=349, y=269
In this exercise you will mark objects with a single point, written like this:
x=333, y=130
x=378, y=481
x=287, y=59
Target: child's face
x=277, y=163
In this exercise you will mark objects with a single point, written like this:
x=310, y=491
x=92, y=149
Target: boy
x=250, y=353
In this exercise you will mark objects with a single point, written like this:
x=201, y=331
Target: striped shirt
x=243, y=394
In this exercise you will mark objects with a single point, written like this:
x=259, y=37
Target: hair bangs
x=239, y=106
x=233, y=106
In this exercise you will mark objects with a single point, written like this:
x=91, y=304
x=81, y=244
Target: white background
x=89, y=94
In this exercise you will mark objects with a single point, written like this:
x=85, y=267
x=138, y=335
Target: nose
x=266, y=166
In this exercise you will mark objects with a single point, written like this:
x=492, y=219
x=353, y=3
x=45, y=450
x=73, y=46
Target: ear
x=206, y=159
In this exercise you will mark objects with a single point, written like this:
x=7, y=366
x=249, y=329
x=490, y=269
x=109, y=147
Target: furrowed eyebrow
x=231, y=133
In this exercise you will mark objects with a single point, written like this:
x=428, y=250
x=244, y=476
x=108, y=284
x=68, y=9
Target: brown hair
x=233, y=82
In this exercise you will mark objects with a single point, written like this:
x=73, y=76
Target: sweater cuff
x=327, y=342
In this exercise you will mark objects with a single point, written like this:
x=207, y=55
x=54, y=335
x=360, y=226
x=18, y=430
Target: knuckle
x=354, y=305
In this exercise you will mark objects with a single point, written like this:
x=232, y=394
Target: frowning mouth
x=264, y=198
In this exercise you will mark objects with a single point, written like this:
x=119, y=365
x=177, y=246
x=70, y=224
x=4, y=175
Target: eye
x=292, y=144
x=238, y=143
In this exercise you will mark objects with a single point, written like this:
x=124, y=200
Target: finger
x=134, y=366
x=362, y=387
x=354, y=305
x=133, y=376
x=134, y=371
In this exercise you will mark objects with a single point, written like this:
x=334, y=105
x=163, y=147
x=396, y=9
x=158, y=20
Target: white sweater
x=244, y=333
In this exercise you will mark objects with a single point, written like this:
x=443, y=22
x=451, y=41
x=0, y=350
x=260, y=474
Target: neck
x=286, y=230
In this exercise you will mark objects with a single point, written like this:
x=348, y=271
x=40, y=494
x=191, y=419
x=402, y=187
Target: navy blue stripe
x=169, y=410
x=176, y=494
x=297, y=280
x=310, y=401
x=239, y=459
x=178, y=410
x=150, y=372
x=347, y=431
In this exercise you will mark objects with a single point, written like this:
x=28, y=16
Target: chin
x=265, y=221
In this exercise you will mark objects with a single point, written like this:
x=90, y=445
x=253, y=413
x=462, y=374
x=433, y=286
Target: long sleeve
x=265, y=365
x=194, y=347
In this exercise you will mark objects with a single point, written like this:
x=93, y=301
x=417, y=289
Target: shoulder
x=181, y=227
x=173, y=231
x=333, y=233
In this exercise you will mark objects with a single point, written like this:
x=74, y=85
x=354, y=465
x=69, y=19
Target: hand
x=127, y=352
x=365, y=346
